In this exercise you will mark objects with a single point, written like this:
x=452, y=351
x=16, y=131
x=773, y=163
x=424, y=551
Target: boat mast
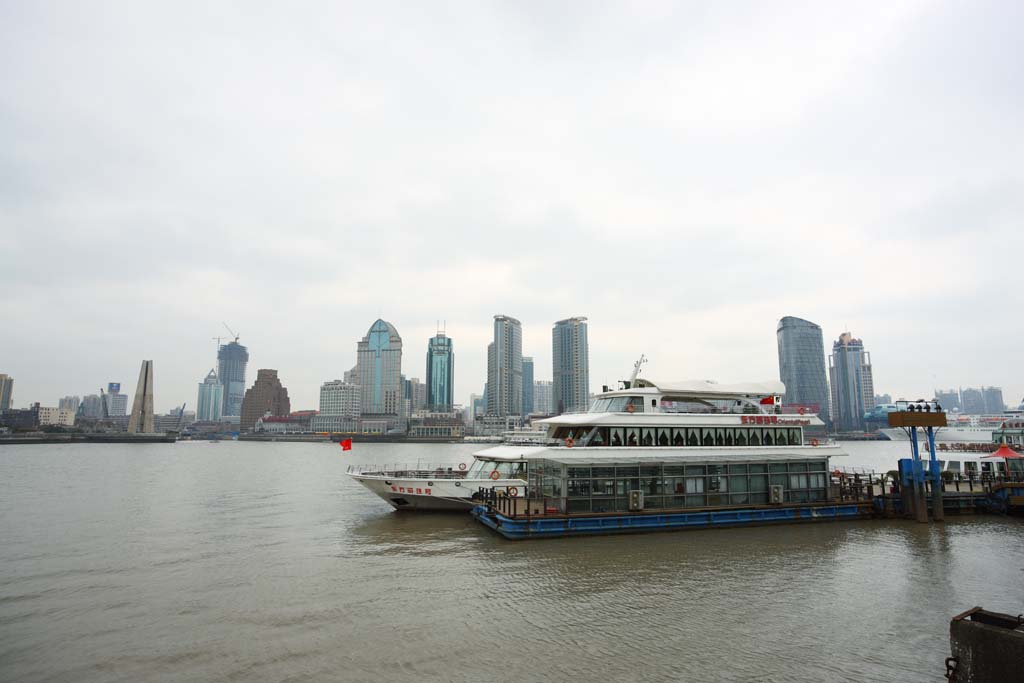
x=636, y=371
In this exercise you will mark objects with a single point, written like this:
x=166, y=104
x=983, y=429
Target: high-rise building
x=972, y=401
x=802, y=365
x=505, y=368
x=117, y=403
x=141, y=420
x=853, y=388
x=210, y=405
x=6, y=391
x=883, y=399
x=542, y=404
x=339, y=399
x=570, y=362
x=92, y=406
x=949, y=400
x=231, y=361
x=266, y=395
x=379, y=366
x=440, y=373
x=69, y=403
x=993, y=399
x=527, y=385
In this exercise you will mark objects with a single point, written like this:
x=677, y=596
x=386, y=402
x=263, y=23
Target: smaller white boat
x=445, y=487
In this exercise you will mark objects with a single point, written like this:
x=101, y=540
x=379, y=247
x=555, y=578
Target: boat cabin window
x=618, y=404
x=683, y=436
x=481, y=469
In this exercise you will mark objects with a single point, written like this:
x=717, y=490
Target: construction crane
x=231, y=331
x=181, y=417
x=103, y=400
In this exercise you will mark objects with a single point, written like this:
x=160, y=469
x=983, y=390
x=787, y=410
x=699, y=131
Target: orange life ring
x=814, y=442
x=495, y=475
x=630, y=408
x=462, y=466
x=513, y=491
x=569, y=443
x=801, y=410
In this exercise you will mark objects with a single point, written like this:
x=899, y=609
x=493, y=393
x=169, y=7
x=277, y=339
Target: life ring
x=495, y=475
x=814, y=442
x=631, y=408
x=462, y=466
x=569, y=443
x=513, y=491
x=801, y=410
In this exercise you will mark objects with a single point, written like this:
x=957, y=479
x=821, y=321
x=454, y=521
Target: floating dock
x=521, y=526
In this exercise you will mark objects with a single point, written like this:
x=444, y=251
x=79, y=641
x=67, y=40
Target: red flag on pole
x=769, y=400
x=346, y=444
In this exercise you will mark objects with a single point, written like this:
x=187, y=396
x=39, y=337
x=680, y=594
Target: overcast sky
x=683, y=174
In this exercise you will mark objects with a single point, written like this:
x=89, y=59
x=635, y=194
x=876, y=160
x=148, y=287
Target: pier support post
x=938, y=513
x=920, y=499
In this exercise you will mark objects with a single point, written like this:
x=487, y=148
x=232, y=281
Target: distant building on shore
x=266, y=395
x=117, y=403
x=440, y=376
x=949, y=399
x=6, y=391
x=982, y=401
x=802, y=365
x=542, y=397
x=379, y=366
x=505, y=368
x=570, y=362
x=70, y=403
x=210, y=403
x=853, y=388
x=232, y=359
x=527, y=385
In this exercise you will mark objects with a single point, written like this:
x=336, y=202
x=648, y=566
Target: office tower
x=141, y=420
x=993, y=400
x=338, y=398
x=92, y=406
x=440, y=373
x=853, y=389
x=527, y=385
x=802, y=365
x=210, y=406
x=117, y=403
x=266, y=395
x=542, y=397
x=379, y=366
x=972, y=401
x=949, y=400
x=351, y=376
x=882, y=399
x=69, y=403
x=6, y=391
x=505, y=368
x=570, y=361
x=231, y=361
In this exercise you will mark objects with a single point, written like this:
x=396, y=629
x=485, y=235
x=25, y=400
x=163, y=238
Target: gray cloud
x=682, y=173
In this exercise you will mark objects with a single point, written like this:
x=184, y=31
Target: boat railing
x=417, y=470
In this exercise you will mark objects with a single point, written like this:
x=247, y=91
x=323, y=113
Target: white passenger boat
x=722, y=429
x=960, y=429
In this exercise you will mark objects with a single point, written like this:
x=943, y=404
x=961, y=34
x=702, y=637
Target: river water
x=264, y=562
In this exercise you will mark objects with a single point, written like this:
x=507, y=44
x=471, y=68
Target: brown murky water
x=264, y=562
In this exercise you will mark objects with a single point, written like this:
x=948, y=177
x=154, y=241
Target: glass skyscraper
x=231, y=361
x=527, y=385
x=440, y=373
x=853, y=387
x=570, y=361
x=505, y=368
x=210, y=405
x=379, y=366
x=802, y=365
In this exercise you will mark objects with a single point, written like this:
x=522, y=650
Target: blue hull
x=583, y=525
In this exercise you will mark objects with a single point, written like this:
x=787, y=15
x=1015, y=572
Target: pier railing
x=417, y=470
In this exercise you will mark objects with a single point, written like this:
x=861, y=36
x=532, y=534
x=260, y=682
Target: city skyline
x=173, y=396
